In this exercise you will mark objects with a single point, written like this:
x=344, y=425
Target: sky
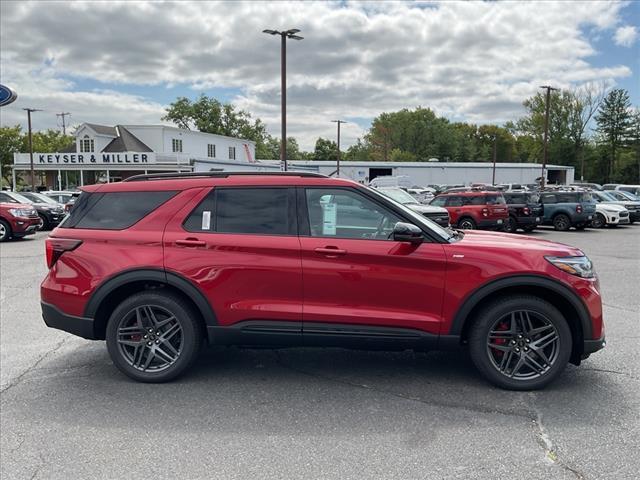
x=124, y=62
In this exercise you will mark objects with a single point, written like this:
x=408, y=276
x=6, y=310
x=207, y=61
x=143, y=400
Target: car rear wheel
x=520, y=343
x=510, y=225
x=466, y=223
x=561, y=222
x=153, y=337
x=5, y=231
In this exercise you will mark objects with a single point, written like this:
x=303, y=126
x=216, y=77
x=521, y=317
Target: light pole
x=64, y=126
x=291, y=33
x=546, y=133
x=339, y=122
x=495, y=156
x=33, y=174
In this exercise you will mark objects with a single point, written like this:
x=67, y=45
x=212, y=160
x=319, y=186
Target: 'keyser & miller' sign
x=88, y=158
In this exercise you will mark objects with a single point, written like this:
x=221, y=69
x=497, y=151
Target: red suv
x=473, y=209
x=159, y=264
x=17, y=219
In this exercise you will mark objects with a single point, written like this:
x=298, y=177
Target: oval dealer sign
x=7, y=95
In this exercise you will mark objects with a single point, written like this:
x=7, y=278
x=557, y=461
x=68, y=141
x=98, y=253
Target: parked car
x=437, y=214
x=609, y=199
x=525, y=211
x=157, y=268
x=566, y=209
x=635, y=189
x=623, y=195
x=17, y=219
x=471, y=209
x=50, y=212
x=67, y=198
x=592, y=186
x=610, y=186
x=422, y=194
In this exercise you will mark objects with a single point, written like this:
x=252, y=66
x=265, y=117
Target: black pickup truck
x=525, y=211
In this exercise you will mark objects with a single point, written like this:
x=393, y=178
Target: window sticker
x=329, y=218
x=206, y=220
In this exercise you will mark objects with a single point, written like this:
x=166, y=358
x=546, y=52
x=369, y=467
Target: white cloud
x=625, y=36
x=467, y=60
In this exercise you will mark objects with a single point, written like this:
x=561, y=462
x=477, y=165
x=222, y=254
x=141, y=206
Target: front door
x=354, y=274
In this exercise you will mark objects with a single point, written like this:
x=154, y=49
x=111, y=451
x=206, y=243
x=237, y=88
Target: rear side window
x=495, y=200
x=474, y=200
x=454, y=202
x=114, y=210
x=516, y=198
x=259, y=211
x=548, y=198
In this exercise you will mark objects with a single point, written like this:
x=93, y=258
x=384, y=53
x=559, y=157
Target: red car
x=159, y=264
x=18, y=220
x=473, y=209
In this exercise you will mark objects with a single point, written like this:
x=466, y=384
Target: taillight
x=55, y=247
x=485, y=212
x=578, y=208
x=526, y=211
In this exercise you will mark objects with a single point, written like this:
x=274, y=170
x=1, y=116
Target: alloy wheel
x=523, y=345
x=3, y=232
x=150, y=338
x=466, y=225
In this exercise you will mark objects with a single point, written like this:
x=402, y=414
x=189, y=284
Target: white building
x=103, y=153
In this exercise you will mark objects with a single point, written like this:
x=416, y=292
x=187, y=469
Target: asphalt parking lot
x=66, y=412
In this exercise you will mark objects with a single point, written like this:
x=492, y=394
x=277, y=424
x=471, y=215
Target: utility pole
x=33, y=174
x=339, y=122
x=546, y=133
x=64, y=127
x=495, y=156
x=291, y=33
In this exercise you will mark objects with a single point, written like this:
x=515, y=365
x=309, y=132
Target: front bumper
x=592, y=346
x=22, y=226
x=55, y=318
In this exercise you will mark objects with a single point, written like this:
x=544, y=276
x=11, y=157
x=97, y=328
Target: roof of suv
x=183, y=181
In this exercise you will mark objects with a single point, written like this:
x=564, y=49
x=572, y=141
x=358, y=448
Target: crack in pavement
x=617, y=372
x=19, y=378
x=620, y=308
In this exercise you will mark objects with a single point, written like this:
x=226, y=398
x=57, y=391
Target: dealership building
x=106, y=154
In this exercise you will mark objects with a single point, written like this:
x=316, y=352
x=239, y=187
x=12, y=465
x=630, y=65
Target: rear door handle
x=191, y=242
x=330, y=251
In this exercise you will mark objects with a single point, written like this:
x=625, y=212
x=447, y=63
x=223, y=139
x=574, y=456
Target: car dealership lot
x=66, y=412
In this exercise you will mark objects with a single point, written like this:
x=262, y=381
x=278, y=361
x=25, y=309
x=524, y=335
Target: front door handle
x=191, y=242
x=330, y=252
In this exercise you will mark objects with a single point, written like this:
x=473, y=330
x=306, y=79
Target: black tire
x=5, y=231
x=511, y=225
x=598, y=221
x=540, y=314
x=130, y=349
x=467, y=223
x=45, y=222
x=561, y=222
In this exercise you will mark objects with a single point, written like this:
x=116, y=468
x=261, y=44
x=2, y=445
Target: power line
x=546, y=132
x=64, y=127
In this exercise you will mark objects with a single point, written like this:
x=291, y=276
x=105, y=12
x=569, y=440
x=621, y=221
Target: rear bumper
x=591, y=346
x=528, y=221
x=80, y=326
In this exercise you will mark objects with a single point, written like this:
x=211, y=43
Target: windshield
x=605, y=197
x=38, y=197
x=419, y=219
x=627, y=195
x=398, y=195
x=20, y=198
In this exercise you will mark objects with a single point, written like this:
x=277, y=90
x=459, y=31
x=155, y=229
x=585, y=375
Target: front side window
x=176, y=145
x=438, y=201
x=345, y=214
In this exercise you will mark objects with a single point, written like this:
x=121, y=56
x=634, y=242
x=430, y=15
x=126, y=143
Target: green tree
x=614, y=122
x=209, y=115
x=359, y=151
x=48, y=141
x=325, y=150
x=270, y=149
x=398, y=155
x=10, y=142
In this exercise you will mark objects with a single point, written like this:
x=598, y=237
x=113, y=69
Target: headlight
x=579, y=266
x=20, y=212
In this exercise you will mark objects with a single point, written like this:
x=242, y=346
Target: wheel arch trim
x=481, y=293
x=172, y=279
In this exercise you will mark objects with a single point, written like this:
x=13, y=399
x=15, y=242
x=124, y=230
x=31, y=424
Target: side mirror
x=406, y=232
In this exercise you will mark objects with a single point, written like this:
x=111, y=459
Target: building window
x=211, y=150
x=86, y=144
x=176, y=145
x=232, y=153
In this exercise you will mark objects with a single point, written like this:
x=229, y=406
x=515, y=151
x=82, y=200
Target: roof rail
x=179, y=175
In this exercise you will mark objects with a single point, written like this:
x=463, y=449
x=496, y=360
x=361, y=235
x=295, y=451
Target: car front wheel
x=153, y=337
x=520, y=343
x=598, y=221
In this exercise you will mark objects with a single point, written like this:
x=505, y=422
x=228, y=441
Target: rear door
x=239, y=245
x=354, y=274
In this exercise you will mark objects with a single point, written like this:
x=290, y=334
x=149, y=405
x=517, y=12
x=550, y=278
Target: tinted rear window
x=115, y=210
x=252, y=210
